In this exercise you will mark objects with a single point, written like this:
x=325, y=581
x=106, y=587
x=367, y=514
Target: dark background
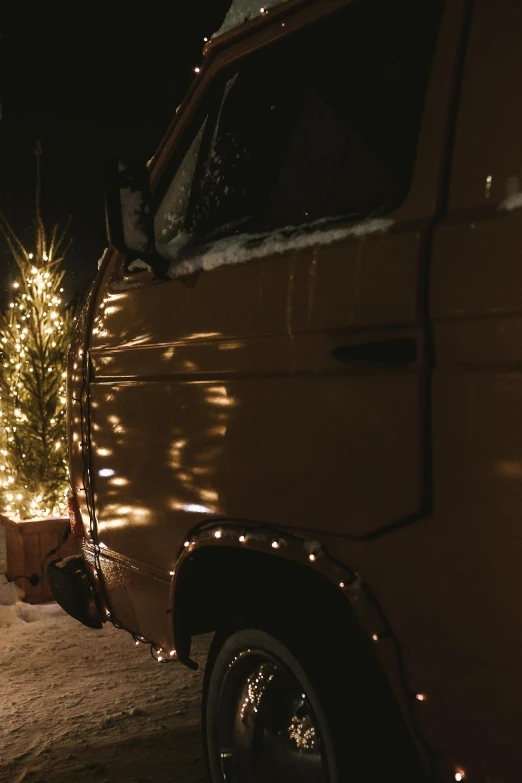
x=87, y=83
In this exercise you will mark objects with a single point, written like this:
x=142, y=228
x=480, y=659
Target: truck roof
x=242, y=11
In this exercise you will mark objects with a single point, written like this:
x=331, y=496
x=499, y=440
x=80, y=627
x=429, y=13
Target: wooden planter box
x=27, y=544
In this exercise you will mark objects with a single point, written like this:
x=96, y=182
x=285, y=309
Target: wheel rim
x=266, y=729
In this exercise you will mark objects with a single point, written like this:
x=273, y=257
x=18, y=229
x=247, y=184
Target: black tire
x=349, y=737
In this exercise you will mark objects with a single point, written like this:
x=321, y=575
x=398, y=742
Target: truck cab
x=293, y=394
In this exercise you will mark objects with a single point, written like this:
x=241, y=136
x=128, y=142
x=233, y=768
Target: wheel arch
x=229, y=577
x=224, y=572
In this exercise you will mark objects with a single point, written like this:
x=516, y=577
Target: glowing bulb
x=242, y=539
x=218, y=534
x=30, y=256
x=312, y=557
x=197, y=70
x=375, y=637
x=172, y=573
x=16, y=285
x=275, y=544
x=186, y=543
x=262, y=10
x=137, y=643
x=159, y=658
x=341, y=584
x=460, y=774
x=173, y=652
x=205, y=39
x=420, y=696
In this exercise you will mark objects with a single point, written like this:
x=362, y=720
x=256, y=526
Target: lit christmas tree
x=35, y=334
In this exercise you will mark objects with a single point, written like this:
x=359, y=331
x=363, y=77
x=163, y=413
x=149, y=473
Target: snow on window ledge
x=246, y=247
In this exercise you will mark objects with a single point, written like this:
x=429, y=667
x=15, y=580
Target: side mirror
x=130, y=228
x=128, y=216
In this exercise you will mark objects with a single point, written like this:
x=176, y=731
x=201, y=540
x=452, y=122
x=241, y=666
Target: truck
x=294, y=394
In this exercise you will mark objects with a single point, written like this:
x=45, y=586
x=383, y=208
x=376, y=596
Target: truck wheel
x=263, y=717
x=292, y=704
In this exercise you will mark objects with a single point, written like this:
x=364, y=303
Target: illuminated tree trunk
x=35, y=334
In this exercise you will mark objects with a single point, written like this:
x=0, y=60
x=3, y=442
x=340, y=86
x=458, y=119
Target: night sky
x=87, y=85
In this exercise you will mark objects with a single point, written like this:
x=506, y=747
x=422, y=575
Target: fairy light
x=275, y=544
x=36, y=302
x=420, y=696
x=460, y=774
x=218, y=534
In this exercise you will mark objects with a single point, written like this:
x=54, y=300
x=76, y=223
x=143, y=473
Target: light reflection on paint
x=201, y=471
x=220, y=430
x=509, y=468
x=119, y=481
x=104, y=452
x=109, y=524
x=119, y=516
x=192, y=508
x=202, y=335
x=230, y=346
x=208, y=494
x=224, y=401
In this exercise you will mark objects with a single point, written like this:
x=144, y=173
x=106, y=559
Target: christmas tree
x=35, y=334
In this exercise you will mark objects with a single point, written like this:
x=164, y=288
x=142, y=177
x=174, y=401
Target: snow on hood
x=241, y=11
x=245, y=247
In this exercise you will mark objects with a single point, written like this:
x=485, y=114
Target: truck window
x=318, y=125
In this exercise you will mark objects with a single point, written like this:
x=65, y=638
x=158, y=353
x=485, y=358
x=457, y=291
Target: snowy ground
x=82, y=706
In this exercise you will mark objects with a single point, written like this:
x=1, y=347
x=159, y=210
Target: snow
x=514, y=201
x=137, y=264
x=243, y=11
x=125, y=285
x=245, y=247
x=89, y=706
x=102, y=257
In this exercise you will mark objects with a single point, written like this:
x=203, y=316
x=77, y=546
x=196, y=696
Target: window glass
x=322, y=124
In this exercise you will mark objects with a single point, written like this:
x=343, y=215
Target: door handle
x=398, y=350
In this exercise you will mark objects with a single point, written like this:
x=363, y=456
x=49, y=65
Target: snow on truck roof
x=241, y=11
